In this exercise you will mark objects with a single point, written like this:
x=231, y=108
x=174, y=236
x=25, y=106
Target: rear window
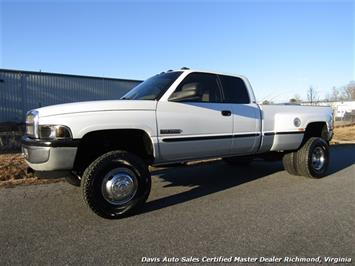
x=234, y=90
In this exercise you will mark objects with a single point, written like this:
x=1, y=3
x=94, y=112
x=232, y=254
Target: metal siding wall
x=10, y=97
x=22, y=91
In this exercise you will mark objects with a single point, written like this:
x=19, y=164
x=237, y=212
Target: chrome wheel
x=318, y=158
x=119, y=186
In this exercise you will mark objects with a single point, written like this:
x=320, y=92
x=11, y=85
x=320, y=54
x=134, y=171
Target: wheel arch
x=95, y=143
x=316, y=129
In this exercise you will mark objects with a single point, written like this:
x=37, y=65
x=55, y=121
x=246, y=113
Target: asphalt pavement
x=202, y=211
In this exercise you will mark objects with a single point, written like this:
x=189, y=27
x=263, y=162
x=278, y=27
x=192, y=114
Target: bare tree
x=312, y=95
x=328, y=97
x=348, y=92
x=335, y=96
x=342, y=93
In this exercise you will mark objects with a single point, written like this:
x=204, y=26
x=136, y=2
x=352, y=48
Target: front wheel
x=312, y=159
x=115, y=184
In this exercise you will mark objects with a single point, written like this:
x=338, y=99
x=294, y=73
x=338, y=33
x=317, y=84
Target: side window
x=198, y=87
x=234, y=90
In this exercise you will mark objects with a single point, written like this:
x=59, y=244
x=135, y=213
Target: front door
x=194, y=122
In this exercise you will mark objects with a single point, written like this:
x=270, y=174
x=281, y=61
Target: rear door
x=194, y=122
x=245, y=114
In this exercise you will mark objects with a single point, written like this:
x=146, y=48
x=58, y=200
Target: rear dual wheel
x=288, y=161
x=311, y=160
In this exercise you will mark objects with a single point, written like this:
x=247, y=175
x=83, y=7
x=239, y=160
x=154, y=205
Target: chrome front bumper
x=49, y=156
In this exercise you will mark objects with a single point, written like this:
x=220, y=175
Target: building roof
x=64, y=75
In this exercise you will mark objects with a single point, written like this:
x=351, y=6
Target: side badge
x=170, y=131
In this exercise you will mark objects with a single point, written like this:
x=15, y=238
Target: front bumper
x=49, y=155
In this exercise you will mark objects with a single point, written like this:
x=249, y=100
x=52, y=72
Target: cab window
x=198, y=87
x=234, y=90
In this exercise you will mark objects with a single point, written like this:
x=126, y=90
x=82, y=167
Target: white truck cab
x=175, y=116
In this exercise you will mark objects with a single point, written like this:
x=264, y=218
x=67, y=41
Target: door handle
x=226, y=113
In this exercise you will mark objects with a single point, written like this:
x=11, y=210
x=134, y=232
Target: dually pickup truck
x=171, y=118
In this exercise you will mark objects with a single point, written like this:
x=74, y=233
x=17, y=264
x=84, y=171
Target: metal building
x=21, y=91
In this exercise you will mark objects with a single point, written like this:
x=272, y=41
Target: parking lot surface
x=205, y=210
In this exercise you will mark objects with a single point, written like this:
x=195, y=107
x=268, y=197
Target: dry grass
x=13, y=171
x=344, y=133
x=28, y=181
x=13, y=166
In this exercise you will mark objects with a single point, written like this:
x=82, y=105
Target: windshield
x=152, y=88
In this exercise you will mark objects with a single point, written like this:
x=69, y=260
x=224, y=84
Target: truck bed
x=278, y=124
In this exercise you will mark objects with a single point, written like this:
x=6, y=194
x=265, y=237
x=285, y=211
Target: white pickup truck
x=173, y=117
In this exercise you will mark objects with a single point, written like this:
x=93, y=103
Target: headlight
x=48, y=132
x=32, y=124
x=54, y=132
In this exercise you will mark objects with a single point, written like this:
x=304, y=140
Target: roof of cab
x=188, y=70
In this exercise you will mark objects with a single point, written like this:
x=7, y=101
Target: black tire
x=241, y=161
x=308, y=167
x=94, y=177
x=289, y=163
x=73, y=180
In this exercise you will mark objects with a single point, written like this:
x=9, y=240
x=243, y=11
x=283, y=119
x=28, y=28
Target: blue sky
x=283, y=47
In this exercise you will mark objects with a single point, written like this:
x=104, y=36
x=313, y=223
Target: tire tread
x=303, y=157
x=288, y=161
x=88, y=179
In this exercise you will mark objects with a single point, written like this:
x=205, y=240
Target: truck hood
x=96, y=106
